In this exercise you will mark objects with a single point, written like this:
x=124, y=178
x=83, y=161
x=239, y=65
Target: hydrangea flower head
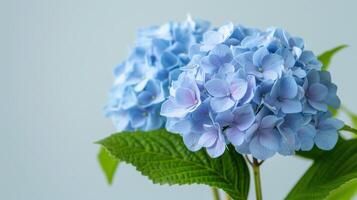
x=142, y=80
x=260, y=91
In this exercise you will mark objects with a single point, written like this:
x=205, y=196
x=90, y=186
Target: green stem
x=349, y=129
x=258, y=186
x=215, y=193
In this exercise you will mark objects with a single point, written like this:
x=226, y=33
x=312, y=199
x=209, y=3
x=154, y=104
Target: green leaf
x=352, y=116
x=108, y=164
x=328, y=173
x=164, y=158
x=326, y=57
x=345, y=192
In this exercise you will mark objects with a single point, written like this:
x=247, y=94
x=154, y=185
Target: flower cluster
x=142, y=80
x=260, y=91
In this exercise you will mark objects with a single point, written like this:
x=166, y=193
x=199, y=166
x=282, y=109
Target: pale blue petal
x=244, y=117
x=259, y=55
x=224, y=118
x=129, y=99
x=223, y=52
x=220, y=104
x=235, y=136
x=145, y=98
x=171, y=109
x=326, y=140
x=185, y=97
x=269, y=122
x=272, y=62
x=208, y=139
x=249, y=95
x=217, y=88
x=191, y=141
x=169, y=60
x=288, y=87
x=259, y=151
x=269, y=138
x=218, y=148
x=238, y=88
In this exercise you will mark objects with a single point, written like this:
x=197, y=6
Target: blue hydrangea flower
x=142, y=80
x=260, y=91
x=285, y=96
x=184, y=97
x=320, y=92
x=326, y=130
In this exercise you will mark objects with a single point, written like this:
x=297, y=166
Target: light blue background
x=56, y=61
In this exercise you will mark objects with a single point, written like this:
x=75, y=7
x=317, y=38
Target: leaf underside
x=164, y=159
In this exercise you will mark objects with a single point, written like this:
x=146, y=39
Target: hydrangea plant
x=193, y=102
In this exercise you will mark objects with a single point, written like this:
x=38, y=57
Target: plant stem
x=215, y=193
x=258, y=186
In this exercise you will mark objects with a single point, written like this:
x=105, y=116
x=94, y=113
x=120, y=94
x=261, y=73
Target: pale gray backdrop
x=56, y=61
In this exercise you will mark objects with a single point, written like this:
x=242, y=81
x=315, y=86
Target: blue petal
x=145, y=98
x=238, y=88
x=220, y=104
x=185, y=97
x=191, y=141
x=169, y=60
x=249, y=95
x=259, y=151
x=244, y=117
x=207, y=66
x=291, y=106
x=300, y=73
x=269, y=122
x=245, y=59
x=138, y=118
x=170, y=109
x=288, y=87
x=326, y=139
x=259, y=55
x=321, y=106
x=223, y=52
x=235, y=136
x=269, y=138
x=208, y=139
x=176, y=125
x=273, y=62
x=129, y=99
x=218, y=148
x=317, y=92
x=331, y=123
x=313, y=77
x=120, y=120
x=153, y=122
x=217, y=88
x=224, y=118
x=306, y=135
